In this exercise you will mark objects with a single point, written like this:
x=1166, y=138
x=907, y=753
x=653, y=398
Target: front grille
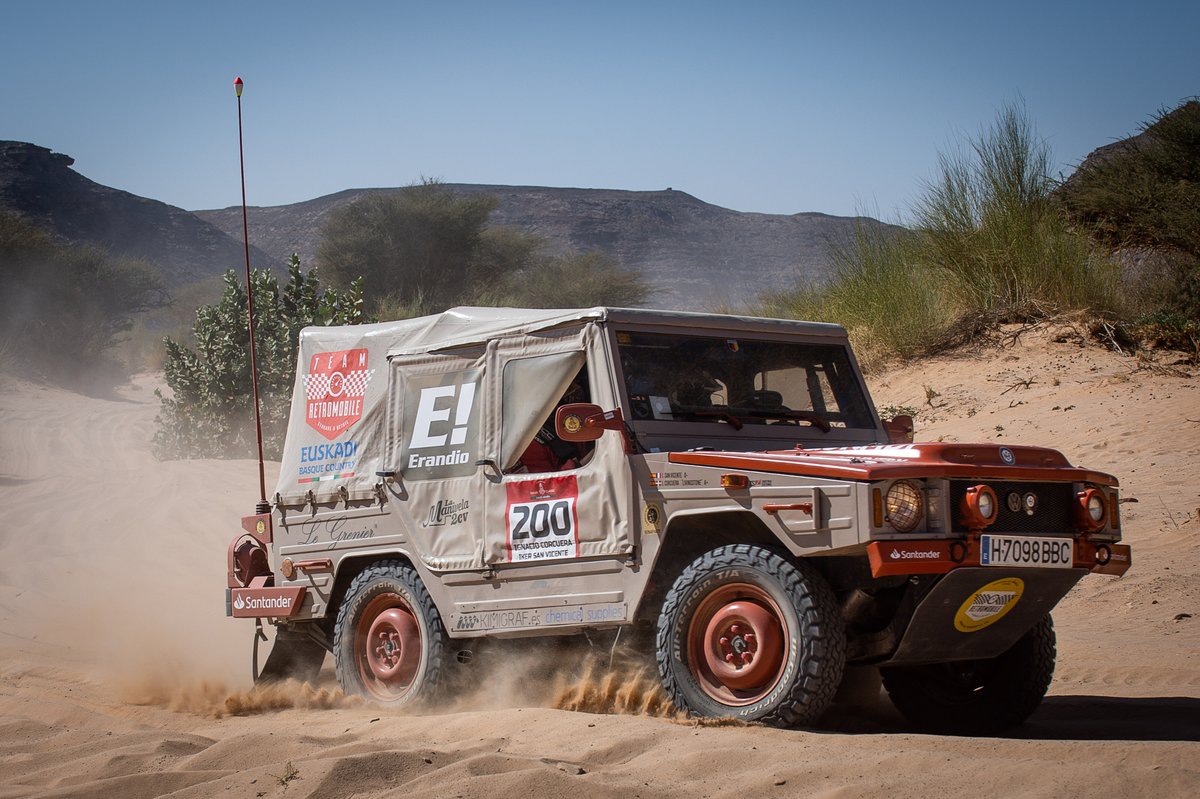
x=1053, y=513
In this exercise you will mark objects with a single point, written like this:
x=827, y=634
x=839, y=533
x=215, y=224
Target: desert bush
x=892, y=300
x=1142, y=196
x=64, y=308
x=987, y=245
x=988, y=219
x=423, y=248
x=574, y=280
x=422, y=242
x=209, y=412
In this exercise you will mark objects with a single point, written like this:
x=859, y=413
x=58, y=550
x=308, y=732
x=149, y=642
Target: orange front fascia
x=891, y=558
x=1116, y=562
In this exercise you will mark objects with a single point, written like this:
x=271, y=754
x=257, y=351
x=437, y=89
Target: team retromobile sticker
x=542, y=520
x=334, y=389
x=989, y=604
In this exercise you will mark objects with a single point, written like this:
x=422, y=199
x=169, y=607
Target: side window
x=534, y=388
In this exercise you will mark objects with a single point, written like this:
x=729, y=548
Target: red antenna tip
x=237, y=86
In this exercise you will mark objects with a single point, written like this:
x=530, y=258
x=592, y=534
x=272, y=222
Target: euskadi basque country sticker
x=334, y=389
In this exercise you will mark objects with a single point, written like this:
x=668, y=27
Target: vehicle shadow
x=1111, y=718
x=1060, y=718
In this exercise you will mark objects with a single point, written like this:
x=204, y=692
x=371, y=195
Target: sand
x=121, y=677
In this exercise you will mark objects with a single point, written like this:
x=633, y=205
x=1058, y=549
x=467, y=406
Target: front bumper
x=939, y=556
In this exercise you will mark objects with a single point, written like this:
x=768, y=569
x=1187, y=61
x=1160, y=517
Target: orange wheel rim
x=388, y=647
x=737, y=644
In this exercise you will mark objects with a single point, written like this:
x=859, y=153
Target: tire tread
x=815, y=604
x=404, y=574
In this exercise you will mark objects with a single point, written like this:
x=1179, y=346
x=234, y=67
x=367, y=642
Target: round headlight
x=1091, y=511
x=979, y=507
x=987, y=506
x=904, y=506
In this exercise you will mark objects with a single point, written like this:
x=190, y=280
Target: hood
x=897, y=461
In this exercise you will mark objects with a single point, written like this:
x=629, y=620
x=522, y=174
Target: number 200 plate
x=1044, y=553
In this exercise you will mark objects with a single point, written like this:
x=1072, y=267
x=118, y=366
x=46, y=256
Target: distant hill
x=40, y=185
x=699, y=255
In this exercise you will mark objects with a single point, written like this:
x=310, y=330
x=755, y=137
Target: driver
x=549, y=453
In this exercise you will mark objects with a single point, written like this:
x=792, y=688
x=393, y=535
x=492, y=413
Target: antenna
x=263, y=506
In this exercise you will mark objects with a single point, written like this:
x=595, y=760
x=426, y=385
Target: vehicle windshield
x=739, y=381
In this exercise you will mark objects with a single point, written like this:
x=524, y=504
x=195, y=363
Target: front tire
x=977, y=697
x=746, y=633
x=389, y=641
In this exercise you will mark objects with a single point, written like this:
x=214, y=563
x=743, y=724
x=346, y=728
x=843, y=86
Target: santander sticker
x=334, y=389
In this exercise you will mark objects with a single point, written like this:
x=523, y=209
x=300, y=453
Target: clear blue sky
x=778, y=107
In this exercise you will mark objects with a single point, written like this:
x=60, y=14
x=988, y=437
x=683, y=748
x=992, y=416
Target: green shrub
x=989, y=220
x=424, y=248
x=987, y=245
x=1143, y=195
x=422, y=242
x=575, y=280
x=210, y=410
x=64, y=308
x=892, y=301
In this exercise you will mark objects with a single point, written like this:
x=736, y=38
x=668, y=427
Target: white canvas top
x=338, y=434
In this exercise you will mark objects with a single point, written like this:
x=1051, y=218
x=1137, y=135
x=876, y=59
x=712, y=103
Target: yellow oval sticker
x=572, y=423
x=989, y=604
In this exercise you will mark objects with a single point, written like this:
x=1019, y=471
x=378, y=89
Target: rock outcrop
x=41, y=186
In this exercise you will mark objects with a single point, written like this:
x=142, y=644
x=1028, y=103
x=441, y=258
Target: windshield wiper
x=722, y=416
x=799, y=416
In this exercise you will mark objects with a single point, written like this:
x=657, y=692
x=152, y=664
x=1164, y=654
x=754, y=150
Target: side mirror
x=899, y=429
x=582, y=421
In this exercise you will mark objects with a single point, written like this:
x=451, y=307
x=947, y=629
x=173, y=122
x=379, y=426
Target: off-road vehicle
x=720, y=489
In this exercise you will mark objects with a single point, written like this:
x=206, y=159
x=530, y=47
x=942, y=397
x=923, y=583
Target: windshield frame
x=745, y=428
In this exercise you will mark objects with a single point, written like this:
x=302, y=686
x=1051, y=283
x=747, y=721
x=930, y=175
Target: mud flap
x=977, y=613
x=293, y=655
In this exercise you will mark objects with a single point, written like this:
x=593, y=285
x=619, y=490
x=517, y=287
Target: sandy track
x=119, y=672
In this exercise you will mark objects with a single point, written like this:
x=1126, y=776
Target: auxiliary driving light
x=979, y=507
x=1092, y=510
x=904, y=506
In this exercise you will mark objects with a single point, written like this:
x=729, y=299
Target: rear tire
x=746, y=633
x=977, y=697
x=389, y=642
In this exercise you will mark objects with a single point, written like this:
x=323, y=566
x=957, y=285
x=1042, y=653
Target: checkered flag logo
x=337, y=384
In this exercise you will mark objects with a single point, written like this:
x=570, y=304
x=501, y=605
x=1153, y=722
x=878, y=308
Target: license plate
x=1042, y=553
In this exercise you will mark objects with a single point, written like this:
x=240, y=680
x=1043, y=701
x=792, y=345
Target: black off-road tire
x=978, y=697
x=705, y=618
x=404, y=661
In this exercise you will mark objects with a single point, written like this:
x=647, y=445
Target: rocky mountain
x=699, y=255
x=42, y=186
